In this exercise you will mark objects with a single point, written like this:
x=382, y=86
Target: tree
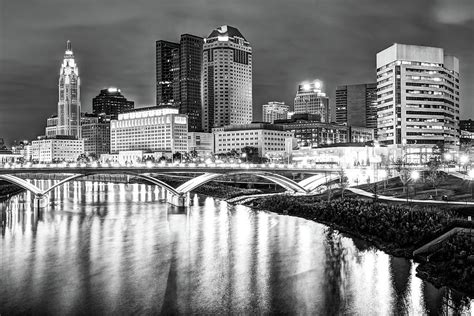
x=93, y=157
x=435, y=176
x=438, y=152
x=82, y=158
x=251, y=154
x=403, y=172
x=343, y=181
x=177, y=156
x=193, y=153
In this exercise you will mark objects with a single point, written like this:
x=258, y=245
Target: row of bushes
x=452, y=263
x=397, y=225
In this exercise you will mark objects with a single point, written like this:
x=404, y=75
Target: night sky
x=293, y=40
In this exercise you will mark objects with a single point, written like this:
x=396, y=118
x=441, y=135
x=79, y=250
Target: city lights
x=331, y=174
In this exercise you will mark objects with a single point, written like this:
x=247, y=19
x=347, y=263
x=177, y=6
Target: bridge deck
x=165, y=169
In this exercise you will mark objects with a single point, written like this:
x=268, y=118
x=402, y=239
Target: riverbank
x=396, y=229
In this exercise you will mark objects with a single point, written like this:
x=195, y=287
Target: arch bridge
x=176, y=196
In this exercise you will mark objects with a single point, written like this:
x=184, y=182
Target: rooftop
x=226, y=30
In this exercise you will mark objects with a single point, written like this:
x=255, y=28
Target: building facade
x=179, y=77
x=274, y=111
x=164, y=72
x=69, y=105
x=58, y=149
x=111, y=102
x=187, y=80
x=268, y=138
x=310, y=99
x=466, y=125
x=226, y=79
x=52, y=126
x=313, y=134
x=150, y=129
x=96, y=134
x=356, y=105
x=417, y=98
x=202, y=143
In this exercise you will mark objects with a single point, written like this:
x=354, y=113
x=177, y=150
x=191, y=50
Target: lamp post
x=463, y=160
x=415, y=175
x=447, y=159
x=471, y=177
x=244, y=155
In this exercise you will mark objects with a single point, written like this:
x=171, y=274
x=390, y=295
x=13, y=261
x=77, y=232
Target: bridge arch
x=275, y=178
x=313, y=182
x=21, y=183
x=37, y=191
x=150, y=179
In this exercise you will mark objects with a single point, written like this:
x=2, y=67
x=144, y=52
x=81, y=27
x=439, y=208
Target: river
x=115, y=248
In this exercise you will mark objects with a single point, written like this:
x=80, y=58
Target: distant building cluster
x=204, y=106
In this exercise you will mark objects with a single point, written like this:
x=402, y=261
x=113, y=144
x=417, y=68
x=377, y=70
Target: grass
x=454, y=188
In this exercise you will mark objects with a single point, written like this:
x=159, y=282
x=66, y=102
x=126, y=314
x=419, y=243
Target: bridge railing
x=151, y=165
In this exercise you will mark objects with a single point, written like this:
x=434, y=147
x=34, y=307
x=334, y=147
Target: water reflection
x=115, y=248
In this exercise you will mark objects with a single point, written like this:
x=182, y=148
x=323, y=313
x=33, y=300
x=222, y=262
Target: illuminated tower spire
x=69, y=105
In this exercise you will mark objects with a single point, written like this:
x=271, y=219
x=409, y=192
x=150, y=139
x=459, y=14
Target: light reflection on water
x=102, y=247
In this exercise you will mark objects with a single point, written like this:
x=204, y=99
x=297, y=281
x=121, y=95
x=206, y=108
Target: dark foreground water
x=114, y=248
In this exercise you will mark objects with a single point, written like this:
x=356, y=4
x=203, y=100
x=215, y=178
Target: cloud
x=454, y=11
x=114, y=43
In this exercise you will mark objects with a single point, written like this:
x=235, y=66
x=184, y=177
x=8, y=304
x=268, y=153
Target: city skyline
x=102, y=46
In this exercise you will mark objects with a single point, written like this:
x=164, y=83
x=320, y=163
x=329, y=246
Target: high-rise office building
x=178, y=73
x=164, y=72
x=356, y=105
x=69, y=105
x=226, y=79
x=274, y=111
x=310, y=99
x=111, y=102
x=417, y=98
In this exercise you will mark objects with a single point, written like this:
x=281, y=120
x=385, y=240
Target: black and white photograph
x=236, y=157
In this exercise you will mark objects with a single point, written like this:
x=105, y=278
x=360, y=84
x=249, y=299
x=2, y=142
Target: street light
x=471, y=177
x=464, y=159
x=415, y=175
x=244, y=155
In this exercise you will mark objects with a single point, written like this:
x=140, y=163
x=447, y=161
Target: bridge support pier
x=181, y=200
x=40, y=201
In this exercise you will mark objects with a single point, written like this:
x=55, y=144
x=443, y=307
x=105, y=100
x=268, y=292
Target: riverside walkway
x=394, y=199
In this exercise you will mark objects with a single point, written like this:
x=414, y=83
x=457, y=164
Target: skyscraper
x=417, y=98
x=226, y=79
x=356, y=105
x=69, y=105
x=111, y=102
x=164, y=72
x=179, y=77
x=310, y=99
x=274, y=111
